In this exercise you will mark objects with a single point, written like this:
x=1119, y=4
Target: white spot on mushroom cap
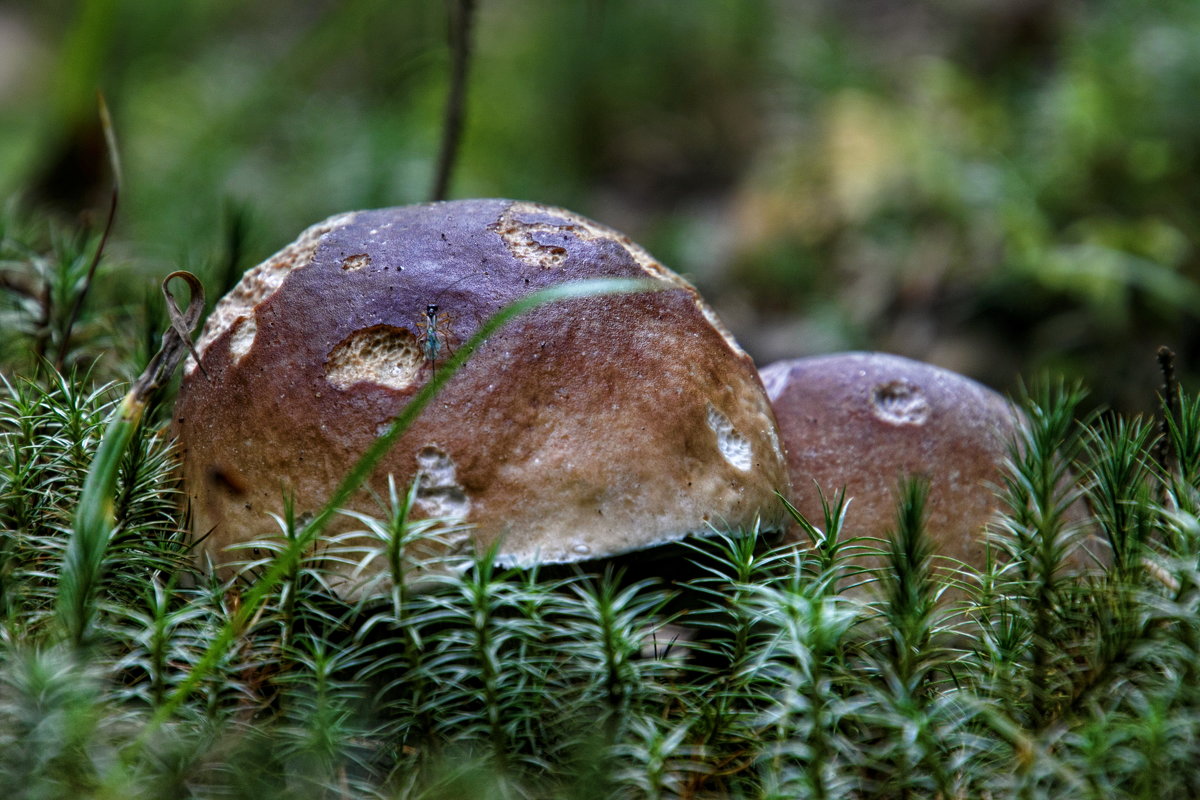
x=439, y=494
x=521, y=240
x=733, y=446
x=242, y=339
x=900, y=402
x=356, y=262
x=260, y=283
x=381, y=354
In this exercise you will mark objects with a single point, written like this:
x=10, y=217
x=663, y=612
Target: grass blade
x=95, y=518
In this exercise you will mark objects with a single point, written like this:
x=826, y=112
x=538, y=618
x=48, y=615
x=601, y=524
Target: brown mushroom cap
x=583, y=429
x=864, y=421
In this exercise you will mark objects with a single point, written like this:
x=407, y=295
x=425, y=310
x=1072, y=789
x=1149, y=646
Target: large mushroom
x=864, y=421
x=587, y=428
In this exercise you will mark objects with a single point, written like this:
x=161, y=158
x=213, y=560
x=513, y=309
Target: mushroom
x=583, y=429
x=863, y=421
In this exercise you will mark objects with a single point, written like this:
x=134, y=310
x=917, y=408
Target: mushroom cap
x=864, y=421
x=583, y=429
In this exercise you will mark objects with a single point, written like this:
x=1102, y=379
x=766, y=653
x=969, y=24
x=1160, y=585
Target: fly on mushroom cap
x=583, y=429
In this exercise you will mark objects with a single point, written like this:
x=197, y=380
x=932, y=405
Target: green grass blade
x=95, y=521
x=95, y=517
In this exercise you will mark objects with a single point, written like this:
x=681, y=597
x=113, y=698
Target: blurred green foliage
x=998, y=186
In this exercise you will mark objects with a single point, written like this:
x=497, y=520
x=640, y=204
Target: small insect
x=435, y=327
x=433, y=334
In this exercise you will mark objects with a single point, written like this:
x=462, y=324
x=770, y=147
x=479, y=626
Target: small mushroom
x=863, y=421
x=583, y=429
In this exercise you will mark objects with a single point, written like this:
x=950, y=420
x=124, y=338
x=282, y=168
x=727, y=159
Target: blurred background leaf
x=995, y=186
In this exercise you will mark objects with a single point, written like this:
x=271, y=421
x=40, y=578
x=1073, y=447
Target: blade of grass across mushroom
x=95, y=517
x=258, y=592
